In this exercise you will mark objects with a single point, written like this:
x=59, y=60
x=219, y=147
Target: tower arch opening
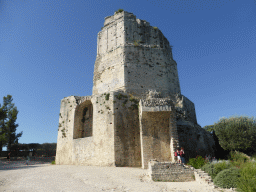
x=83, y=123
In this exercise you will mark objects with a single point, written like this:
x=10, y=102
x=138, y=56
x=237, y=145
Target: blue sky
x=48, y=50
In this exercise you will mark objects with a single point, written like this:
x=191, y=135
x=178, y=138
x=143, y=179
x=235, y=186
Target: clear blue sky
x=48, y=50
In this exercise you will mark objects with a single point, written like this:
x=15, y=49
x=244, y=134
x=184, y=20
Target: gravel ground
x=16, y=176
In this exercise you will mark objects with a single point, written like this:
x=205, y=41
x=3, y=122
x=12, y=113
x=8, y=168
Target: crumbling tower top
x=134, y=57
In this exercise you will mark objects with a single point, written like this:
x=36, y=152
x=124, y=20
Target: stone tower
x=136, y=111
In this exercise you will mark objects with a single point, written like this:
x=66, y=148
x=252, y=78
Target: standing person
x=177, y=154
x=182, y=155
x=28, y=159
x=9, y=156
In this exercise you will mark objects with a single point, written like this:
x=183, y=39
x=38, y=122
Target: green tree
x=236, y=133
x=7, y=123
x=3, y=131
x=209, y=128
x=2, y=112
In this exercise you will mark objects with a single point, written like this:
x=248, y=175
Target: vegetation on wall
x=107, y=96
x=136, y=43
x=119, y=11
x=63, y=132
x=120, y=96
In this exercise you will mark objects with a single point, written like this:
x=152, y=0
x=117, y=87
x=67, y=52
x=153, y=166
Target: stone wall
x=158, y=129
x=79, y=140
x=195, y=140
x=170, y=172
x=185, y=109
x=134, y=57
x=134, y=65
x=66, y=130
x=127, y=131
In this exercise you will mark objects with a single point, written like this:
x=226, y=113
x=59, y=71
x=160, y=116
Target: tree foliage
x=8, y=117
x=3, y=131
x=209, y=128
x=236, y=133
x=220, y=153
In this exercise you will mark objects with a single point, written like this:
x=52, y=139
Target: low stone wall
x=49, y=153
x=43, y=159
x=170, y=172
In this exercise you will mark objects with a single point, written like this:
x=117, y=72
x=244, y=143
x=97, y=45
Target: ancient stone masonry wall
x=83, y=118
x=130, y=53
x=136, y=112
x=195, y=140
x=159, y=136
x=103, y=131
x=185, y=108
x=148, y=59
x=108, y=69
x=109, y=73
x=127, y=131
x=65, y=131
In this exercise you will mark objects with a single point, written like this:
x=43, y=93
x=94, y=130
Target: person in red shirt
x=177, y=155
x=9, y=156
x=182, y=155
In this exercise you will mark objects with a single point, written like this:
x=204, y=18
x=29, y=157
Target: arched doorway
x=83, y=123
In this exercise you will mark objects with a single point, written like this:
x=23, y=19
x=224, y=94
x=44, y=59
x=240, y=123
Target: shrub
x=238, y=156
x=247, y=181
x=209, y=168
x=214, y=169
x=119, y=11
x=238, y=159
x=218, y=167
x=197, y=162
x=227, y=178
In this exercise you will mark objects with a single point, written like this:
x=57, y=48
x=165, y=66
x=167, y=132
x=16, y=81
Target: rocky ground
x=16, y=176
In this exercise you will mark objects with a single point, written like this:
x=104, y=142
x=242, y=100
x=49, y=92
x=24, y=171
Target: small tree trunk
x=1, y=145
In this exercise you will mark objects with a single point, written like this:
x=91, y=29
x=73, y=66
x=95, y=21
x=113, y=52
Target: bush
x=209, y=168
x=218, y=167
x=214, y=169
x=238, y=156
x=247, y=181
x=119, y=11
x=227, y=178
x=236, y=133
x=197, y=162
x=238, y=159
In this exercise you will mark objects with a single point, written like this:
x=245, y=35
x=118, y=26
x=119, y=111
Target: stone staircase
x=173, y=172
x=170, y=172
x=203, y=177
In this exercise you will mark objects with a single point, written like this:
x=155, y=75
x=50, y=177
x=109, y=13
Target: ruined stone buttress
x=136, y=112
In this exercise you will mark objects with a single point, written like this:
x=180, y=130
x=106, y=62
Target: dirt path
x=39, y=176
